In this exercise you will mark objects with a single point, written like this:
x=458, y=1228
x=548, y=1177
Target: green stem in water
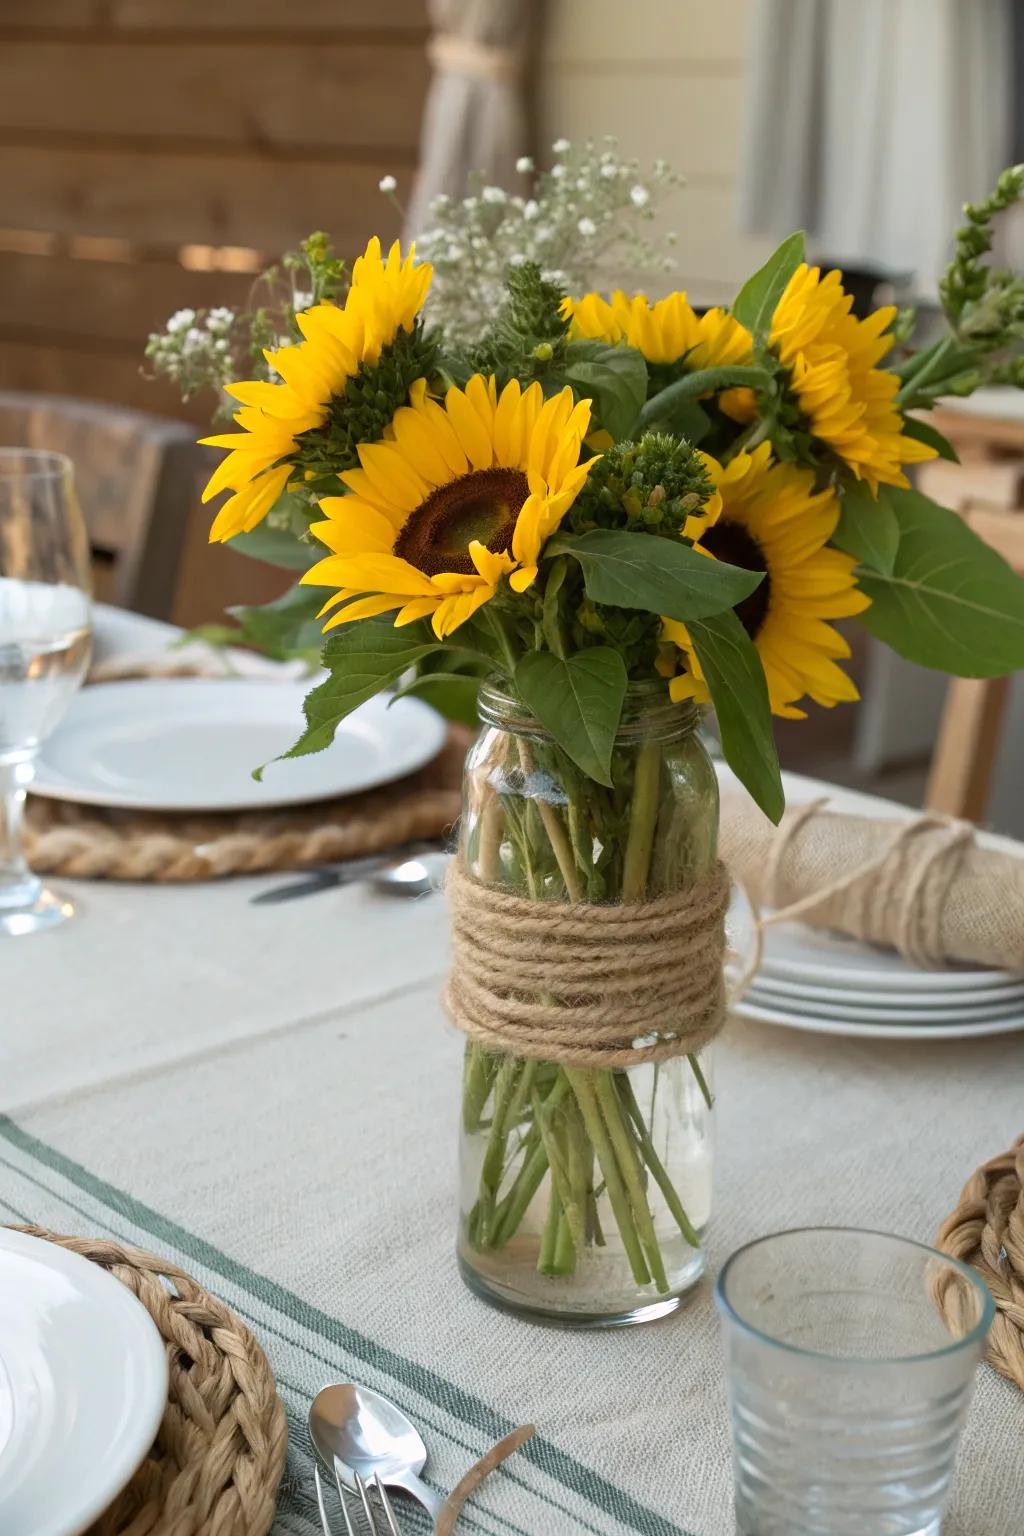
x=479, y=1068
x=583, y=1081
x=632, y=1176
x=653, y=1161
x=557, y=1148
x=643, y=817
x=506, y=1097
x=528, y=1180
x=702, y=1082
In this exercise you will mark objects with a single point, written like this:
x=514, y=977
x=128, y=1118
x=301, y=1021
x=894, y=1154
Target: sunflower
x=664, y=332
x=845, y=399
x=383, y=300
x=772, y=520
x=457, y=496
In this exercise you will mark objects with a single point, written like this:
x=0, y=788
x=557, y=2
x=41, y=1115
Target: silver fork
x=391, y=1525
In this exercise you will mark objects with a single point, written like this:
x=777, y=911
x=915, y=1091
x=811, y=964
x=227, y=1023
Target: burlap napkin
x=922, y=885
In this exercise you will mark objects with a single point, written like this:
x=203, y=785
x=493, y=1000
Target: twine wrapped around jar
x=588, y=985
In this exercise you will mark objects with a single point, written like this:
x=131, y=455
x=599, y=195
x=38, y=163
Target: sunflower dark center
x=731, y=542
x=482, y=505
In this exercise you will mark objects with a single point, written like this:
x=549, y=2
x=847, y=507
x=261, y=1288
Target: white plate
x=785, y=989
x=835, y=1007
x=826, y=1026
x=83, y=1387
x=190, y=744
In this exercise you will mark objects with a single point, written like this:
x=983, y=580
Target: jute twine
x=986, y=1231
x=92, y=843
x=588, y=985
x=215, y=1466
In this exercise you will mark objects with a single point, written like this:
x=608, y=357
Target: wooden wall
x=154, y=153
x=667, y=77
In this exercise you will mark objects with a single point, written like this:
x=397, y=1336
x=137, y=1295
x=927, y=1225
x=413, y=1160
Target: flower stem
x=702, y=1082
x=643, y=816
x=653, y=1161
x=528, y=1180
x=585, y=1086
x=632, y=1176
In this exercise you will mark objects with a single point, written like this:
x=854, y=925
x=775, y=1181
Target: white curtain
x=870, y=122
x=475, y=117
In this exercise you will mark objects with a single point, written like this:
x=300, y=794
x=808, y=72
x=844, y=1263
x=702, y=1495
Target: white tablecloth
x=268, y=1095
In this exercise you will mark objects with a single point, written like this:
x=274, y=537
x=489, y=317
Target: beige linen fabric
x=209, y=1101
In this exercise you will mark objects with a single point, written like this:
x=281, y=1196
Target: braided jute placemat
x=218, y=1456
x=986, y=1231
x=93, y=843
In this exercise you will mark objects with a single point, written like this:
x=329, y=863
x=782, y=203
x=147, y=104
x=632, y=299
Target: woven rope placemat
x=93, y=843
x=218, y=1456
x=986, y=1231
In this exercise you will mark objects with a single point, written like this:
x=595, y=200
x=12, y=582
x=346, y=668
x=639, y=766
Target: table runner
x=273, y=1105
x=269, y=1096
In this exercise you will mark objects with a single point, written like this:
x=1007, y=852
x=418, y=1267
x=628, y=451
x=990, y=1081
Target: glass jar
x=586, y=1192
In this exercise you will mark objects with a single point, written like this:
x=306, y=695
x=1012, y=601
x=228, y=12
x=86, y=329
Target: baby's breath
x=582, y=222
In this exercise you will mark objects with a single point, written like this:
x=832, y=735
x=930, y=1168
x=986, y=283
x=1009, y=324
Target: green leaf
x=924, y=432
x=759, y=297
x=868, y=529
x=276, y=546
x=735, y=678
x=452, y=694
x=666, y=576
x=362, y=658
x=615, y=378
x=691, y=386
x=284, y=628
x=950, y=602
x=579, y=701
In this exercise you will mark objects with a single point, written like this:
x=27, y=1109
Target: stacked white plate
x=814, y=980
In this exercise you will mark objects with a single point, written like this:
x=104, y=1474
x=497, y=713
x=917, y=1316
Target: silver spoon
x=357, y=1431
x=410, y=877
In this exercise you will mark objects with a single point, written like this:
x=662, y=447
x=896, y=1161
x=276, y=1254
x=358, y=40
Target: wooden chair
x=987, y=489
x=139, y=478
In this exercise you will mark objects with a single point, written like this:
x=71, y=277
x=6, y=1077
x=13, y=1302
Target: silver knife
x=346, y=872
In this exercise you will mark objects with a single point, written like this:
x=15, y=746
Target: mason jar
x=586, y=1191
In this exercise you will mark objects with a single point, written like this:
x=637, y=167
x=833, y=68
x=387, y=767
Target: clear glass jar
x=585, y=1193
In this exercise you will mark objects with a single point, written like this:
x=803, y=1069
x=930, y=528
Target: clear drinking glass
x=45, y=644
x=851, y=1358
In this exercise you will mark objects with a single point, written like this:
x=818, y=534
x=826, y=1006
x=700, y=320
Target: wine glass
x=45, y=644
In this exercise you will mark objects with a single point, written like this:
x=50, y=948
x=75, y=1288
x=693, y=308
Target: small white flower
x=531, y=209
x=587, y=227
x=469, y=203
x=557, y=276
x=181, y=320
x=480, y=243
x=517, y=259
x=542, y=234
x=561, y=146
x=558, y=171
x=301, y=299
x=440, y=201
x=609, y=170
x=220, y=319
x=639, y=196
x=524, y=165
x=220, y=345
x=494, y=195
x=671, y=237
x=387, y=184
x=454, y=253
x=193, y=339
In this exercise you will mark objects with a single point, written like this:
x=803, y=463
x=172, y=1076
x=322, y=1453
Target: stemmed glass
x=45, y=644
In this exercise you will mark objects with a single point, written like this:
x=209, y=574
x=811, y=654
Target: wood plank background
x=131, y=130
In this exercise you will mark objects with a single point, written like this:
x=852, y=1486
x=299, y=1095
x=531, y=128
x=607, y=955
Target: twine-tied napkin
x=919, y=885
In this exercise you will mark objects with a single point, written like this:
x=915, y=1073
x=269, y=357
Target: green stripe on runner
x=454, y=1400
x=296, y=1441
